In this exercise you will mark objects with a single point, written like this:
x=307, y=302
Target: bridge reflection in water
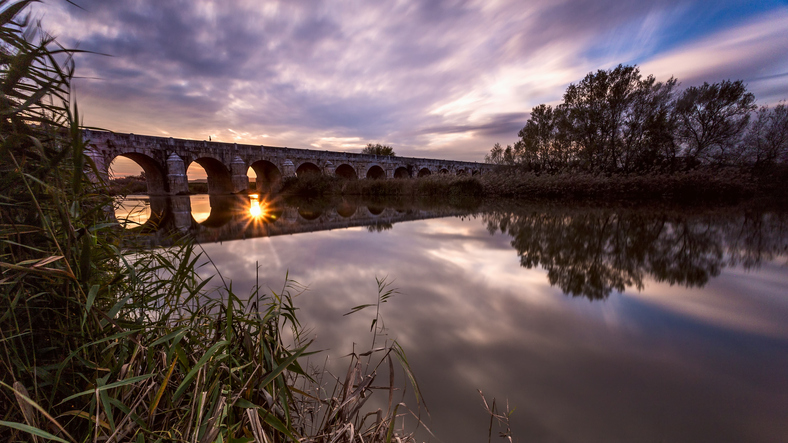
x=218, y=218
x=589, y=252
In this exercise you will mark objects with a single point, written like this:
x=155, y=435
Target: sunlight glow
x=256, y=210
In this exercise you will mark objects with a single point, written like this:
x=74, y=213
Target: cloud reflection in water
x=677, y=362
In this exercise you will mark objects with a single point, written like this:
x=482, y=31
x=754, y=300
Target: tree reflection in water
x=593, y=252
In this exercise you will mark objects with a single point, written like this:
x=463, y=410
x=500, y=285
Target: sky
x=438, y=78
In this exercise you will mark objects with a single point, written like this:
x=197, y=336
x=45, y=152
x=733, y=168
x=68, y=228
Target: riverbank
x=717, y=184
x=709, y=185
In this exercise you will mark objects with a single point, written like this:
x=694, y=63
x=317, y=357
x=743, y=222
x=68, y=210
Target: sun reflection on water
x=255, y=209
x=259, y=210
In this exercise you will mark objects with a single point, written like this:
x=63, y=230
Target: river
x=595, y=323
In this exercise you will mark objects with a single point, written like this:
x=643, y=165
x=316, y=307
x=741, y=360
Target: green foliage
x=133, y=184
x=378, y=149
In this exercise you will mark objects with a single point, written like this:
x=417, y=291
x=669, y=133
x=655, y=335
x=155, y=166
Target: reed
x=101, y=343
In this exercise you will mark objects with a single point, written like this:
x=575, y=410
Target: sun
x=256, y=207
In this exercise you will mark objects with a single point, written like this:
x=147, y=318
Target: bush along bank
x=718, y=184
x=713, y=185
x=439, y=185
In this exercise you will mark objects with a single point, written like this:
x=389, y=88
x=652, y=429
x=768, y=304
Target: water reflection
x=256, y=210
x=586, y=252
x=593, y=252
x=679, y=355
x=225, y=218
x=199, y=206
x=132, y=211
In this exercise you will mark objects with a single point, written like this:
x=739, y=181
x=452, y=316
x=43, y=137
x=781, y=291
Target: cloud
x=754, y=52
x=441, y=77
x=500, y=125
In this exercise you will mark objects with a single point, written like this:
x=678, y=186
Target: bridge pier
x=288, y=168
x=177, y=182
x=101, y=167
x=182, y=212
x=240, y=179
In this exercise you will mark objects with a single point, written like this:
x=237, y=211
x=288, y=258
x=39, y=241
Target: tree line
x=617, y=121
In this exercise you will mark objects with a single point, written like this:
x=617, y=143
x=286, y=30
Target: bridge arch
x=376, y=210
x=346, y=171
x=443, y=171
x=461, y=171
x=402, y=172
x=423, y=172
x=309, y=214
x=346, y=210
x=220, y=179
x=221, y=212
x=307, y=168
x=376, y=172
x=475, y=172
x=141, y=214
x=155, y=176
x=268, y=175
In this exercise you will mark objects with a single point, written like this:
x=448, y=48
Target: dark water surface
x=596, y=324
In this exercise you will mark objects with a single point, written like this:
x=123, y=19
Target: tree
x=500, y=156
x=378, y=149
x=596, y=109
x=495, y=156
x=543, y=143
x=647, y=136
x=766, y=142
x=711, y=119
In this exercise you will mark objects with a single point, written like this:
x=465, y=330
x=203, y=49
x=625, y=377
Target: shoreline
x=717, y=185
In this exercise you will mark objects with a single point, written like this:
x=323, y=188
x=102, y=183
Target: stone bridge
x=165, y=161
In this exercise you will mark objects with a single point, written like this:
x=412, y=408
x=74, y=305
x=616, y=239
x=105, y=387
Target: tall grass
x=105, y=344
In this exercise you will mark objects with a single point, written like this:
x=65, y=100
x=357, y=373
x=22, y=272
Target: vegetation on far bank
x=727, y=184
x=616, y=121
x=438, y=185
x=378, y=149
